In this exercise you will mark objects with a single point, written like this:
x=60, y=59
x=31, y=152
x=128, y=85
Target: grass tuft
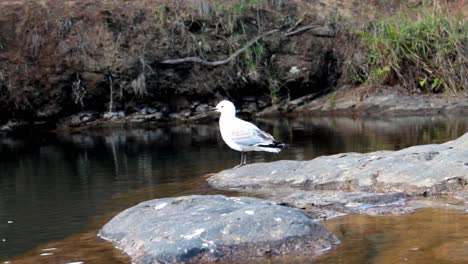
x=427, y=51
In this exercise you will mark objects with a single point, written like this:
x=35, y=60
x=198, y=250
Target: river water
x=58, y=188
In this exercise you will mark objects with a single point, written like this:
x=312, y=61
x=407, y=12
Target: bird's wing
x=247, y=134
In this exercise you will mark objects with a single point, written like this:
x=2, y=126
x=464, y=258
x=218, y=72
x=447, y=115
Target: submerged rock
x=418, y=170
x=327, y=204
x=198, y=229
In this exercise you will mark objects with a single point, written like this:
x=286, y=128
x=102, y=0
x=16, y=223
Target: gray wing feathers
x=248, y=134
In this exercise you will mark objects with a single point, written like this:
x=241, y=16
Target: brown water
x=427, y=236
x=58, y=189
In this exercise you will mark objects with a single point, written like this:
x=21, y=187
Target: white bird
x=243, y=136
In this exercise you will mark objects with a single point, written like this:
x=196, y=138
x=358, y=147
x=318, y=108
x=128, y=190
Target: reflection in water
x=54, y=185
x=428, y=236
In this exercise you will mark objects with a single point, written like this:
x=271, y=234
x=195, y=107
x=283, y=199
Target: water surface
x=58, y=187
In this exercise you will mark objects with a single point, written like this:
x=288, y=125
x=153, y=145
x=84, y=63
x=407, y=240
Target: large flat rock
x=389, y=103
x=385, y=101
x=416, y=170
x=353, y=182
x=198, y=229
x=324, y=204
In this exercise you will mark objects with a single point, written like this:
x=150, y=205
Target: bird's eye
x=222, y=106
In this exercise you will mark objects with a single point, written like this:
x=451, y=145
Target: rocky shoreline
x=209, y=228
x=344, y=104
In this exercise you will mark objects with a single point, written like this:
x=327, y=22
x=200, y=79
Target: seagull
x=243, y=136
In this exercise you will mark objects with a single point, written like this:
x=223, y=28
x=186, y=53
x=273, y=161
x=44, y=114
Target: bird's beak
x=214, y=109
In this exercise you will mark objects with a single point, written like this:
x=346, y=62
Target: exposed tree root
x=318, y=31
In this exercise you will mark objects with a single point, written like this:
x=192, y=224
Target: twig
x=319, y=31
x=111, y=93
x=295, y=26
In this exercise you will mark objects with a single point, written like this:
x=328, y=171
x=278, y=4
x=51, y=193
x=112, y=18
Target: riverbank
x=341, y=104
x=152, y=60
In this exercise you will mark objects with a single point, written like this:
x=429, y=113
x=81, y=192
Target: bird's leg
x=241, y=161
x=244, y=162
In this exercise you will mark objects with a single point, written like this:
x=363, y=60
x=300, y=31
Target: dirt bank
x=91, y=57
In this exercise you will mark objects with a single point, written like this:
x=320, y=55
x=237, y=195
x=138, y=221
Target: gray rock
x=185, y=113
x=12, y=125
x=372, y=183
x=146, y=110
x=113, y=115
x=273, y=110
x=139, y=118
x=48, y=111
x=202, y=114
x=387, y=103
x=416, y=170
x=202, y=118
x=202, y=109
x=324, y=204
x=79, y=119
x=198, y=229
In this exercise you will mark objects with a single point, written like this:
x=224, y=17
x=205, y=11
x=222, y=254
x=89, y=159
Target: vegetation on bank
x=422, y=48
x=236, y=24
x=110, y=56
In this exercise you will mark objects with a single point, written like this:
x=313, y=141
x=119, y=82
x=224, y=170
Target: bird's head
x=225, y=107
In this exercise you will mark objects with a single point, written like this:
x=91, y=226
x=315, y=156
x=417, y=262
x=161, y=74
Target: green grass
x=428, y=51
x=236, y=7
x=253, y=58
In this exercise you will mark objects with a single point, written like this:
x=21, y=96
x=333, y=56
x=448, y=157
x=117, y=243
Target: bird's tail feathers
x=272, y=147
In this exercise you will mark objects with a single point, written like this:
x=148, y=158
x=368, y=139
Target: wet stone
x=433, y=169
x=374, y=183
x=146, y=110
x=80, y=119
x=138, y=117
x=202, y=109
x=113, y=115
x=200, y=229
x=12, y=125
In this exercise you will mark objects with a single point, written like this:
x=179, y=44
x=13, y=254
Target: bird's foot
x=238, y=166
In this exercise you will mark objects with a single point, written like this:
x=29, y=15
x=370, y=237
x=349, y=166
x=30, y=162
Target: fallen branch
x=295, y=26
x=319, y=32
x=220, y=62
